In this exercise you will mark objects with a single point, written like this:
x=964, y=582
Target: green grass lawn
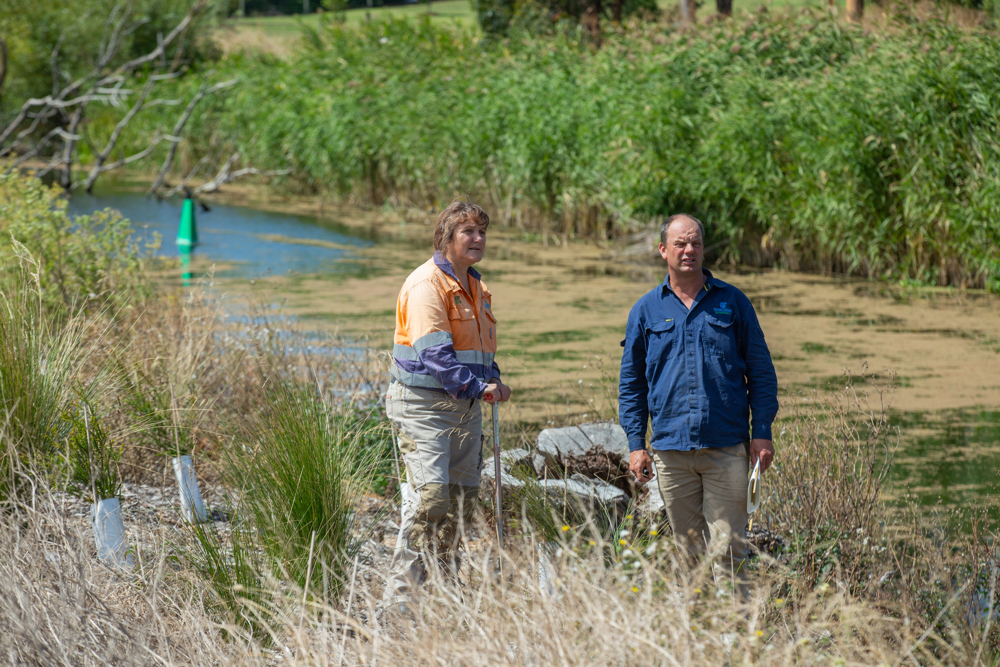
x=460, y=11
x=446, y=11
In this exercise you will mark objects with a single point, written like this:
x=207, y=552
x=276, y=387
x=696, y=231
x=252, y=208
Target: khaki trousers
x=441, y=441
x=705, y=493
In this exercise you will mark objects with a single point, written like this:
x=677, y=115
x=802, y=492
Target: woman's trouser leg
x=464, y=470
x=440, y=439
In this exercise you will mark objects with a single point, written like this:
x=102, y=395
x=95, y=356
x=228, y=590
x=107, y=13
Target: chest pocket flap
x=660, y=344
x=716, y=322
x=488, y=305
x=659, y=327
x=459, y=307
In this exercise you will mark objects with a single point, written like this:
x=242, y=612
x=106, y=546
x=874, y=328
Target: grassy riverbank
x=287, y=428
x=801, y=142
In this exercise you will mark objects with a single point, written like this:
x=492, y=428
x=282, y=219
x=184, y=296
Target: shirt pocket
x=489, y=327
x=661, y=343
x=488, y=310
x=719, y=336
x=459, y=308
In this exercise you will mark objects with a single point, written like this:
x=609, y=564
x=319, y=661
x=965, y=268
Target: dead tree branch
x=69, y=146
x=108, y=48
x=69, y=103
x=135, y=157
x=99, y=160
x=226, y=175
x=179, y=126
x=186, y=180
x=42, y=143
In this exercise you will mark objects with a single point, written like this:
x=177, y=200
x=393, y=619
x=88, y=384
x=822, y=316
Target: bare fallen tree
x=48, y=129
x=225, y=175
x=168, y=162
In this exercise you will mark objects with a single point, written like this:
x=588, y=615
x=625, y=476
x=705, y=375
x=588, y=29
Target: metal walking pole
x=496, y=461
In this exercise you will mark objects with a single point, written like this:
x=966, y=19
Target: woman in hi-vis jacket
x=443, y=368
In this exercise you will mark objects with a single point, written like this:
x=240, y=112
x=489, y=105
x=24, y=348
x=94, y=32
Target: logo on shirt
x=458, y=301
x=723, y=309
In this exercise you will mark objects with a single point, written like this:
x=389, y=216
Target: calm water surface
x=243, y=239
x=947, y=458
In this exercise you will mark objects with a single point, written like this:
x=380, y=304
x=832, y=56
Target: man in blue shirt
x=696, y=363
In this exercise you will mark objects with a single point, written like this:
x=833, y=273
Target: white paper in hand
x=754, y=490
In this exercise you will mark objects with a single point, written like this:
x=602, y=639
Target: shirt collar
x=708, y=280
x=443, y=264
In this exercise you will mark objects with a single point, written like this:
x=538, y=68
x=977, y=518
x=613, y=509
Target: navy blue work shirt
x=698, y=373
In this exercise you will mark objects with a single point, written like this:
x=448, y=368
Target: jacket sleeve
x=633, y=406
x=432, y=341
x=762, y=383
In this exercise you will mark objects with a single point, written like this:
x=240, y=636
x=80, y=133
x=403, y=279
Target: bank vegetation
x=800, y=141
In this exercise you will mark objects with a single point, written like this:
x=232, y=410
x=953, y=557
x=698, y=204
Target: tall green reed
x=236, y=574
x=300, y=471
x=799, y=141
x=38, y=366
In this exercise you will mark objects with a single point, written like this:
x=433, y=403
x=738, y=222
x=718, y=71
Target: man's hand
x=762, y=449
x=496, y=392
x=641, y=465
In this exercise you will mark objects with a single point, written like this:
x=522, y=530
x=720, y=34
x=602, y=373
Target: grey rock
x=512, y=457
x=597, y=451
x=594, y=494
x=594, y=457
x=516, y=462
x=576, y=441
x=651, y=501
x=489, y=476
x=540, y=466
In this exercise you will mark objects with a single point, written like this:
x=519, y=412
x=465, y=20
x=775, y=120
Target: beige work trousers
x=441, y=442
x=705, y=493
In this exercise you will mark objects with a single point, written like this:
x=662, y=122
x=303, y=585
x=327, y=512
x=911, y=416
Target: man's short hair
x=665, y=225
x=456, y=213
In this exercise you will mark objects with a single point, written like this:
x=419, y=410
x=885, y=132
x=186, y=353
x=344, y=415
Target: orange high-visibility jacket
x=446, y=338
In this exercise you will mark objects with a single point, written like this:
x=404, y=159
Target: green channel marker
x=187, y=231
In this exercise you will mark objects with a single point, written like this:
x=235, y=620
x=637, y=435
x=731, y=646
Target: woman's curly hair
x=455, y=214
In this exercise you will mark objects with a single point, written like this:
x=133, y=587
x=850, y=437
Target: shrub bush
x=86, y=262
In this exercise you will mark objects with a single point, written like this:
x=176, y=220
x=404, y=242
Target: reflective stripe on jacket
x=445, y=337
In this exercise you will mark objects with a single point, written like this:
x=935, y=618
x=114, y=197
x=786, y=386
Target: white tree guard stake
x=192, y=506
x=109, y=532
x=546, y=568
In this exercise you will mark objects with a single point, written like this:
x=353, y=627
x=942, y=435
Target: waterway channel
x=562, y=310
